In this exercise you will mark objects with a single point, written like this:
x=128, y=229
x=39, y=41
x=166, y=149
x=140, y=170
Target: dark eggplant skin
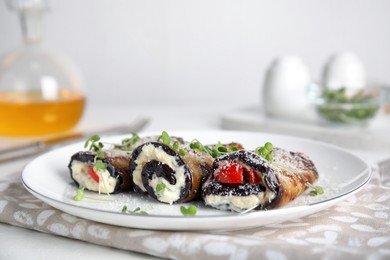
x=252, y=161
x=117, y=166
x=196, y=170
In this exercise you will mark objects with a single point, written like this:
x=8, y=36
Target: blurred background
x=182, y=52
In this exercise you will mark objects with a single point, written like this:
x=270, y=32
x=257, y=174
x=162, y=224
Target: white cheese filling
x=80, y=173
x=170, y=193
x=238, y=203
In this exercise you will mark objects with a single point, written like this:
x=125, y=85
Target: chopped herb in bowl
x=343, y=107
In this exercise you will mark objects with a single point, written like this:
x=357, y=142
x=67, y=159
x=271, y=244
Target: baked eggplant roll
x=114, y=178
x=243, y=180
x=295, y=172
x=168, y=174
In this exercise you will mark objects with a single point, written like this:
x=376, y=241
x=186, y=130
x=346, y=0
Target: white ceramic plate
x=341, y=174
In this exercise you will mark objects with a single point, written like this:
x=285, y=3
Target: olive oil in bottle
x=41, y=90
x=29, y=114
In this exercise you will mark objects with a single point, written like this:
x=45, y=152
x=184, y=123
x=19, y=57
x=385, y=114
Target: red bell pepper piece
x=93, y=174
x=230, y=173
x=252, y=177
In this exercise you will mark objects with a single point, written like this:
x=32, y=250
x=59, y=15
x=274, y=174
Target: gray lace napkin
x=357, y=228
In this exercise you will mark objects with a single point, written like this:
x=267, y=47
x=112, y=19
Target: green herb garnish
x=99, y=166
x=165, y=138
x=190, y=211
x=182, y=152
x=127, y=143
x=175, y=145
x=79, y=194
x=214, y=150
x=94, y=144
x=234, y=148
x=135, y=211
x=316, y=190
x=196, y=145
x=265, y=151
x=160, y=187
x=99, y=155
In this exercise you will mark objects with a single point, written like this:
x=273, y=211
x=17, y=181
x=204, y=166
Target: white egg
x=344, y=70
x=285, y=88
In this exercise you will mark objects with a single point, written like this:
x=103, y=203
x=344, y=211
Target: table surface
x=36, y=243
x=39, y=245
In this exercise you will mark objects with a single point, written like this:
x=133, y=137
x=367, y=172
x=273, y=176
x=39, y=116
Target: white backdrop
x=205, y=51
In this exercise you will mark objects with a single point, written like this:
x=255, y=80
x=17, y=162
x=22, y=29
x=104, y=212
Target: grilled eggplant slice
x=115, y=179
x=295, y=171
x=263, y=184
x=239, y=194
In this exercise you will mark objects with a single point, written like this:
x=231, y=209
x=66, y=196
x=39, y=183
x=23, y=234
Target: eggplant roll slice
x=167, y=176
x=294, y=171
x=114, y=179
x=243, y=180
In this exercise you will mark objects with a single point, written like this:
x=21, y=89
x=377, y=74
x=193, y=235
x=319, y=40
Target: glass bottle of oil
x=41, y=91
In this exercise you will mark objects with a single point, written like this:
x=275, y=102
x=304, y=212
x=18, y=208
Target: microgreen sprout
x=316, y=190
x=196, y=145
x=182, y=152
x=234, y=148
x=220, y=148
x=127, y=143
x=160, y=187
x=134, y=211
x=99, y=155
x=214, y=150
x=79, y=194
x=190, y=211
x=265, y=151
x=175, y=145
x=165, y=138
x=99, y=166
x=94, y=144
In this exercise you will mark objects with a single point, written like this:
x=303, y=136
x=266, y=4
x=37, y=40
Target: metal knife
x=38, y=147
